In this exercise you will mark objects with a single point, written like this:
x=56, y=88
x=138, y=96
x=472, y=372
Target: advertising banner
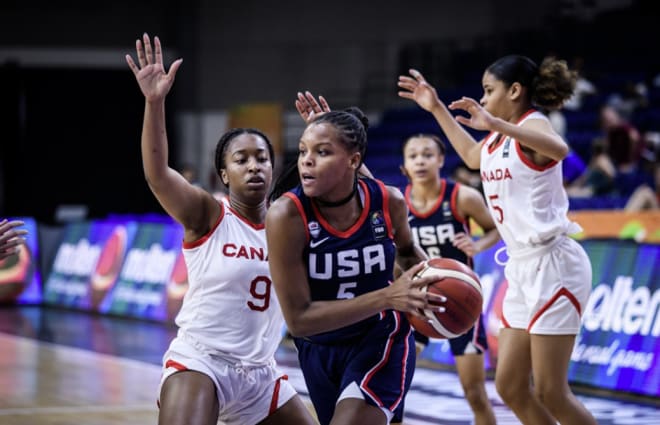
x=153, y=278
x=87, y=263
x=20, y=278
x=619, y=343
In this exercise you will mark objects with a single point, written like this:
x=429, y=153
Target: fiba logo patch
x=378, y=225
x=314, y=229
x=505, y=150
x=446, y=209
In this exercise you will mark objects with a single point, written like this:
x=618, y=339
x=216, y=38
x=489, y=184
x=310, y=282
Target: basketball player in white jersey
x=221, y=365
x=549, y=274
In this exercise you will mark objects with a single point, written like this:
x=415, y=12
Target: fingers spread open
x=324, y=104
x=140, y=53
x=132, y=65
x=148, y=53
x=158, y=49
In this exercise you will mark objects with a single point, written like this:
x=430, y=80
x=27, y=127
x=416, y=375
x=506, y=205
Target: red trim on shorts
x=475, y=336
x=404, y=367
x=504, y=322
x=563, y=291
x=388, y=349
x=176, y=365
x=276, y=394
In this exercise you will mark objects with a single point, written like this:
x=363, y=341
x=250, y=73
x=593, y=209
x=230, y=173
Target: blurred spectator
x=467, y=177
x=611, y=119
x=598, y=177
x=583, y=87
x=190, y=173
x=632, y=97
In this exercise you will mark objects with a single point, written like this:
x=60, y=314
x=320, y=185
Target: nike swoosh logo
x=314, y=244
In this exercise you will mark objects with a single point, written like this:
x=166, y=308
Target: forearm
x=489, y=239
x=545, y=143
x=412, y=256
x=464, y=144
x=325, y=316
x=154, y=142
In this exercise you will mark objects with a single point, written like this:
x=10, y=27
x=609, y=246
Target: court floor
x=60, y=367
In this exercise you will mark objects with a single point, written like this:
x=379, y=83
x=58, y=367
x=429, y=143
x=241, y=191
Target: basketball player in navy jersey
x=439, y=214
x=221, y=365
x=548, y=273
x=332, y=243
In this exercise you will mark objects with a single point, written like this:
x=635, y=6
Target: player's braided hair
x=351, y=125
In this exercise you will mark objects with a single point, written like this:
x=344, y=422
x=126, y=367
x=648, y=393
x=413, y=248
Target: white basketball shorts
x=549, y=287
x=246, y=395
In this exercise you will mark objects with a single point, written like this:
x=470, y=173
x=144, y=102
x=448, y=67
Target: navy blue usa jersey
x=346, y=264
x=435, y=229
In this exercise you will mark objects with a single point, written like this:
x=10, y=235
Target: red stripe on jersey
x=198, y=242
x=301, y=211
x=562, y=292
x=438, y=202
x=348, y=232
x=256, y=226
x=528, y=162
x=454, y=205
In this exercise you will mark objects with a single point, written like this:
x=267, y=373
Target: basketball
x=461, y=286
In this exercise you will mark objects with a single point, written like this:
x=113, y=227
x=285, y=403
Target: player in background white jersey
x=221, y=364
x=549, y=274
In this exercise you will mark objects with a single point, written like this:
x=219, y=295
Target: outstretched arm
x=418, y=89
x=189, y=205
x=535, y=135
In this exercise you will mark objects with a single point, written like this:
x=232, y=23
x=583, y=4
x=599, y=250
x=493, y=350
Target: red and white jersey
x=528, y=202
x=231, y=307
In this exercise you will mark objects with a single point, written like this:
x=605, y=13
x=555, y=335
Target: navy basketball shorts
x=376, y=366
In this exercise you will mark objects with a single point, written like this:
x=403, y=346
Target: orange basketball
x=461, y=286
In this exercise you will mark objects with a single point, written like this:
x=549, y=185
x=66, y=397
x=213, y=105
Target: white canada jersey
x=527, y=202
x=231, y=307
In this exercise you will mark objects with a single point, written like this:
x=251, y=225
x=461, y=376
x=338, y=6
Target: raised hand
x=10, y=239
x=416, y=88
x=154, y=82
x=479, y=118
x=308, y=107
x=405, y=293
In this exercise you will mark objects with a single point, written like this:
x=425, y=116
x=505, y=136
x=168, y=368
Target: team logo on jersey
x=505, y=149
x=314, y=229
x=446, y=209
x=378, y=225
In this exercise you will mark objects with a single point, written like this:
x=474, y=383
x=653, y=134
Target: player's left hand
x=479, y=118
x=465, y=243
x=308, y=107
